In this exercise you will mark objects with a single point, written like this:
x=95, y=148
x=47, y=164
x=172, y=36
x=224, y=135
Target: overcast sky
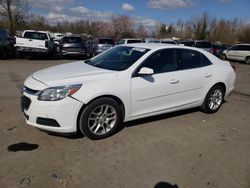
x=146, y=12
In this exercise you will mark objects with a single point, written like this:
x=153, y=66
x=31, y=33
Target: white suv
x=239, y=52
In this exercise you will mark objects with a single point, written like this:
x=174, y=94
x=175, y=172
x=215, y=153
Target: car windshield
x=106, y=41
x=119, y=58
x=72, y=40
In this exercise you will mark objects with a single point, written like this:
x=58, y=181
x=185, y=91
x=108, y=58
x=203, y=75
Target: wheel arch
x=115, y=98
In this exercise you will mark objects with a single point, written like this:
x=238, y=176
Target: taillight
x=234, y=67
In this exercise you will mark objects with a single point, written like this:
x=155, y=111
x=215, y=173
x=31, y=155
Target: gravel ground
x=187, y=149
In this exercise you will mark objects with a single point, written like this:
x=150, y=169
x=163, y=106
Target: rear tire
x=213, y=100
x=4, y=54
x=224, y=57
x=247, y=60
x=100, y=119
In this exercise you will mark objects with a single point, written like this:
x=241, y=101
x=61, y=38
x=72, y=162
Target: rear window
x=134, y=41
x=35, y=35
x=106, y=41
x=168, y=42
x=203, y=44
x=72, y=40
x=187, y=43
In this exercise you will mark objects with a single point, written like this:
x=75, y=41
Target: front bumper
x=55, y=116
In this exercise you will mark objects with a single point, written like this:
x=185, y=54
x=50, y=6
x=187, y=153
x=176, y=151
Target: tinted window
x=106, y=41
x=188, y=59
x=35, y=35
x=244, y=48
x=4, y=35
x=134, y=41
x=203, y=45
x=72, y=40
x=168, y=42
x=162, y=61
x=235, y=47
x=118, y=58
x=187, y=43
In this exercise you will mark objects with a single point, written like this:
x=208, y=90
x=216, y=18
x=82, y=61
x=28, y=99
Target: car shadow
x=165, y=185
x=159, y=117
x=129, y=124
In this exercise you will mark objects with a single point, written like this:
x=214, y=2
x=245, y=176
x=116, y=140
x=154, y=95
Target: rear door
x=195, y=74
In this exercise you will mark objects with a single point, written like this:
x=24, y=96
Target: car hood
x=71, y=73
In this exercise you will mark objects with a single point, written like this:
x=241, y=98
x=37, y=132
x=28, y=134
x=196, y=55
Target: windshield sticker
x=139, y=49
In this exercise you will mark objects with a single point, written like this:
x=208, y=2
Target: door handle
x=30, y=40
x=208, y=75
x=174, y=81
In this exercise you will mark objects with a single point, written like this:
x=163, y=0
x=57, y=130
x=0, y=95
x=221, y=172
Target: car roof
x=156, y=46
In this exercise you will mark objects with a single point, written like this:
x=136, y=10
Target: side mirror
x=145, y=71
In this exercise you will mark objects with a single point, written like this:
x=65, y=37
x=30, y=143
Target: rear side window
x=36, y=35
x=244, y=47
x=189, y=59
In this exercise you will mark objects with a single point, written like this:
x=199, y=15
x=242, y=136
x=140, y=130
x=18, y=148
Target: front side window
x=189, y=59
x=161, y=61
x=119, y=58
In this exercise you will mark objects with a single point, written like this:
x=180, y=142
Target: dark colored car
x=217, y=49
x=6, y=45
x=102, y=44
x=72, y=46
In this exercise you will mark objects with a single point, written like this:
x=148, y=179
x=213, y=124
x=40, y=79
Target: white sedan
x=125, y=83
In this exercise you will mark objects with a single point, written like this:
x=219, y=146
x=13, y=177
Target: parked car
x=6, y=45
x=35, y=42
x=129, y=41
x=168, y=42
x=187, y=43
x=125, y=83
x=72, y=46
x=57, y=37
x=205, y=45
x=238, y=52
x=217, y=49
x=102, y=44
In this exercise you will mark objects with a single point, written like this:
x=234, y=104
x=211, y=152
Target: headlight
x=58, y=93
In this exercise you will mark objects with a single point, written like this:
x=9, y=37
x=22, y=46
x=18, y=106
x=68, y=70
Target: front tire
x=100, y=119
x=213, y=100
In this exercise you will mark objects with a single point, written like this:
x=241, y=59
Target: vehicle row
x=43, y=43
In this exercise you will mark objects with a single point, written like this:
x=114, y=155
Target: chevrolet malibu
x=125, y=83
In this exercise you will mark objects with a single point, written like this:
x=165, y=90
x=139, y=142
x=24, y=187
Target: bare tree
x=14, y=11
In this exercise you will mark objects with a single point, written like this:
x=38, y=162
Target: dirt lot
x=188, y=149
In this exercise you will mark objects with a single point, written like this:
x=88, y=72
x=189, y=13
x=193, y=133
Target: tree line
x=15, y=15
